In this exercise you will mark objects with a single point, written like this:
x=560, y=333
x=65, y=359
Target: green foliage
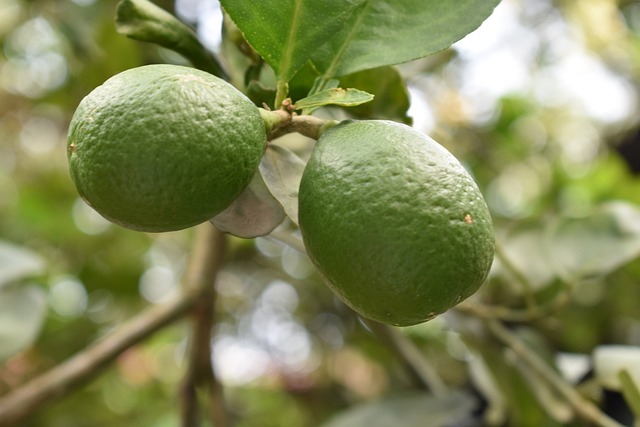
x=286, y=34
x=563, y=199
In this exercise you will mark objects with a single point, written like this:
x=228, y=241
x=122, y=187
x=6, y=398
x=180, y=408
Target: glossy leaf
x=336, y=96
x=287, y=32
x=17, y=263
x=391, y=97
x=22, y=311
x=254, y=213
x=597, y=244
x=386, y=33
x=282, y=171
x=419, y=410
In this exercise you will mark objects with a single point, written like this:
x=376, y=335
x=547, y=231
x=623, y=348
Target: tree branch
x=405, y=349
x=583, y=407
x=281, y=122
x=200, y=372
x=83, y=366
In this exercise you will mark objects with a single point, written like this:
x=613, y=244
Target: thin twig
x=421, y=370
x=583, y=407
x=83, y=366
x=517, y=315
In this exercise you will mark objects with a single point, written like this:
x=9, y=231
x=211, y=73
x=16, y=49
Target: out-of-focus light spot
x=165, y=366
x=84, y=2
x=491, y=65
x=187, y=10
x=101, y=307
x=119, y=396
x=600, y=93
x=87, y=219
x=207, y=15
x=210, y=25
x=239, y=361
x=580, y=142
x=40, y=135
x=296, y=264
x=35, y=64
x=512, y=193
x=280, y=295
x=420, y=110
x=268, y=248
x=230, y=284
x=573, y=366
x=9, y=14
x=329, y=328
x=158, y=284
x=68, y=297
x=357, y=373
x=531, y=131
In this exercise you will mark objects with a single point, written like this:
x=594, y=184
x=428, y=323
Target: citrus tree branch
x=281, y=122
x=200, y=372
x=421, y=370
x=583, y=407
x=83, y=366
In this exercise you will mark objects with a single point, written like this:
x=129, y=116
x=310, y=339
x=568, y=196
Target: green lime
x=164, y=147
x=394, y=222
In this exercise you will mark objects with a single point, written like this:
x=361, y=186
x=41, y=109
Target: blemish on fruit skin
x=467, y=219
x=72, y=147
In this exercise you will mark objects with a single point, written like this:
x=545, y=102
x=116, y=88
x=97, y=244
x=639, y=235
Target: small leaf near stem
x=335, y=96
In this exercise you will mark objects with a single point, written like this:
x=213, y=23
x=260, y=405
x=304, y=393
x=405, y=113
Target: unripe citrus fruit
x=394, y=222
x=164, y=147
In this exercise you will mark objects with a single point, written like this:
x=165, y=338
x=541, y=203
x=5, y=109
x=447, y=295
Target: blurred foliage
x=541, y=104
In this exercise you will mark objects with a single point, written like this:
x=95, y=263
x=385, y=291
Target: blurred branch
x=583, y=407
x=83, y=366
x=517, y=315
x=406, y=350
x=200, y=372
x=144, y=21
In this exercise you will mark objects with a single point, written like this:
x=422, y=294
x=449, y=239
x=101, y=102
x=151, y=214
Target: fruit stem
x=281, y=122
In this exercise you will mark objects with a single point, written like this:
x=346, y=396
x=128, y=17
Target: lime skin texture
x=164, y=147
x=395, y=224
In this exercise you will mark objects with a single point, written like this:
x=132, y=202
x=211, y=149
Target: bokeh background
x=540, y=103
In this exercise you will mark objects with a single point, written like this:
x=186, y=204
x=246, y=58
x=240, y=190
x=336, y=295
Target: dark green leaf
x=254, y=213
x=22, y=311
x=336, y=96
x=282, y=171
x=287, y=32
x=421, y=410
x=391, y=100
x=386, y=33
